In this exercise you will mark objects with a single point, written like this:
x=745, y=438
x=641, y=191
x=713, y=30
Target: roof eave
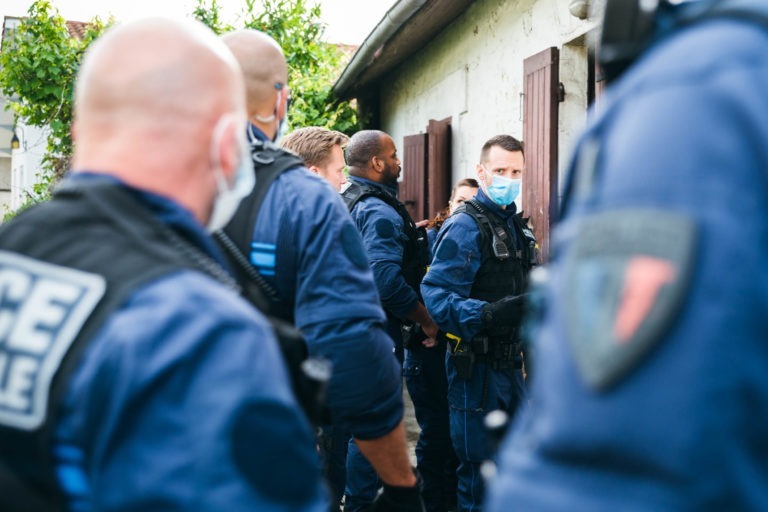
x=406, y=28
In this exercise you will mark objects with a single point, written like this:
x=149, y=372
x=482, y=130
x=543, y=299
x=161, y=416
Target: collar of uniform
x=169, y=212
x=484, y=200
x=390, y=190
x=255, y=133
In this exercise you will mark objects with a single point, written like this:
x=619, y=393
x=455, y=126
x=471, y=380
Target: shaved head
x=363, y=146
x=125, y=78
x=263, y=65
x=372, y=154
x=148, y=97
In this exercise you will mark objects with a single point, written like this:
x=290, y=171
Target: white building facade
x=471, y=74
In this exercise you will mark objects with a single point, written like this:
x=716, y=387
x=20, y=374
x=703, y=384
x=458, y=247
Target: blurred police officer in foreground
x=473, y=290
x=304, y=246
x=398, y=254
x=651, y=383
x=133, y=375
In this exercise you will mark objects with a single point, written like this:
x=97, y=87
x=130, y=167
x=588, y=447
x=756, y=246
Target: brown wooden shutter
x=438, y=165
x=412, y=188
x=540, y=125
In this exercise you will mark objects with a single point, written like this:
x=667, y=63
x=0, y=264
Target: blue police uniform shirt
x=683, y=132
x=306, y=245
x=431, y=240
x=182, y=401
x=384, y=238
x=456, y=260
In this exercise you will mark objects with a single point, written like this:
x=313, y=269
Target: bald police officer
x=299, y=238
x=133, y=375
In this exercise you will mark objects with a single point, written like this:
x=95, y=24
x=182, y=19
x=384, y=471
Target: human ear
x=480, y=173
x=227, y=147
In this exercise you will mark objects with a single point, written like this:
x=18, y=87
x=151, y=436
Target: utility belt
x=497, y=353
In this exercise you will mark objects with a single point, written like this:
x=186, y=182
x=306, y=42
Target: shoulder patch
x=626, y=277
x=353, y=246
x=384, y=228
x=42, y=308
x=447, y=250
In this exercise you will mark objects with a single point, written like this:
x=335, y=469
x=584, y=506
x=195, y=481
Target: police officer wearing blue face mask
x=651, y=383
x=310, y=259
x=473, y=290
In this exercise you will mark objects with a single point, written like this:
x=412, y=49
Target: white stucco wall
x=25, y=163
x=6, y=125
x=473, y=73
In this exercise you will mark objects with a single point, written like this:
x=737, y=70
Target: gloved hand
x=399, y=499
x=500, y=316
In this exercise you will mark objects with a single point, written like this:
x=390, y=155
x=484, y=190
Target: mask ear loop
x=271, y=118
x=218, y=133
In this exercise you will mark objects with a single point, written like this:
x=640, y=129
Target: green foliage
x=313, y=64
x=39, y=64
x=210, y=15
x=38, y=68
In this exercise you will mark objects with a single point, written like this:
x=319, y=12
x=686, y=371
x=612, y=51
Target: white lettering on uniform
x=42, y=309
x=18, y=379
x=40, y=317
x=14, y=286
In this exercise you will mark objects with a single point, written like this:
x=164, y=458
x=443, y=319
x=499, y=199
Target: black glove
x=399, y=499
x=501, y=316
x=412, y=336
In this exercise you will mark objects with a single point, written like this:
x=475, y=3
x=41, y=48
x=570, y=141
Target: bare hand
x=430, y=329
x=429, y=342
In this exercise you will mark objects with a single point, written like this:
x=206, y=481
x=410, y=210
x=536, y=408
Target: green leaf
x=37, y=70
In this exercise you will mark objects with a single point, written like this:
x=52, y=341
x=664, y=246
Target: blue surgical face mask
x=503, y=191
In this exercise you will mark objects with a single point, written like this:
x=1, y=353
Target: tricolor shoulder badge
x=625, y=278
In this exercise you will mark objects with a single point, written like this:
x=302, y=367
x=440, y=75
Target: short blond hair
x=314, y=144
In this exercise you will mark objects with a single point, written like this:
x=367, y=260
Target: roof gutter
x=395, y=18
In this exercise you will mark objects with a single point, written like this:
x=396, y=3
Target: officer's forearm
x=389, y=457
x=420, y=315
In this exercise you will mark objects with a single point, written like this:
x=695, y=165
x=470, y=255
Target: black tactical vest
x=269, y=162
x=309, y=375
x=86, y=250
x=503, y=267
x=416, y=252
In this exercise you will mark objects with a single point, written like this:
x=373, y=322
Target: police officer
x=322, y=152
x=398, y=254
x=132, y=375
x=473, y=290
x=424, y=371
x=465, y=189
x=651, y=387
x=305, y=247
